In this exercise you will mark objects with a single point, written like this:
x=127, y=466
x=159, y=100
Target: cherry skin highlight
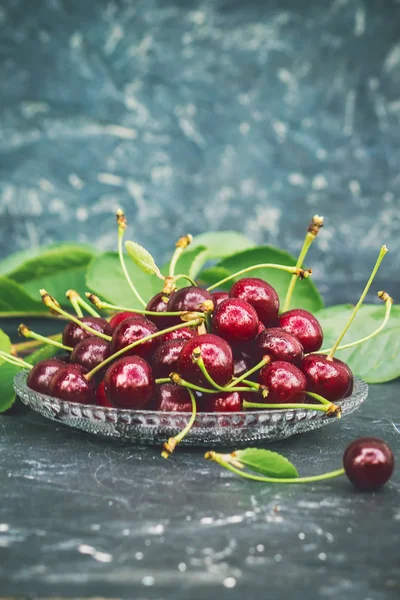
x=217, y=357
x=129, y=383
x=73, y=333
x=242, y=363
x=121, y=316
x=304, y=326
x=69, y=383
x=222, y=402
x=132, y=330
x=90, y=352
x=261, y=296
x=286, y=384
x=188, y=299
x=278, y=344
x=368, y=463
x=219, y=297
x=165, y=358
x=157, y=304
x=331, y=379
x=186, y=333
x=40, y=376
x=235, y=320
x=169, y=397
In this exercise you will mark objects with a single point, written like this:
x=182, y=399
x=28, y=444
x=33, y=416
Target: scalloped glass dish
x=154, y=427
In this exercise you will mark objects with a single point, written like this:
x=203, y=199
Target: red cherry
x=217, y=357
x=242, y=363
x=40, y=376
x=303, y=325
x=261, y=296
x=186, y=333
x=188, y=299
x=169, y=397
x=261, y=327
x=121, y=316
x=219, y=297
x=285, y=383
x=368, y=463
x=132, y=330
x=222, y=402
x=165, y=358
x=69, y=383
x=73, y=333
x=331, y=379
x=101, y=397
x=157, y=304
x=235, y=320
x=90, y=352
x=278, y=344
x=129, y=383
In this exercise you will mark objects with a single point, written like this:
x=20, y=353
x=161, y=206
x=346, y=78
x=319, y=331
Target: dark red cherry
x=188, y=299
x=284, y=381
x=368, y=463
x=186, y=333
x=129, y=383
x=121, y=316
x=101, y=397
x=69, y=383
x=219, y=297
x=331, y=379
x=261, y=327
x=217, y=357
x=235, y=320
x=165, y=358
x=90, y=352
x=169, y=397
x=222, y=402
x=261, y=296
x=242, y=363
x=130, y=331
x=40, y=376
x=73, y=333
x=303, y=325
x=158, y=304
x=278, y=344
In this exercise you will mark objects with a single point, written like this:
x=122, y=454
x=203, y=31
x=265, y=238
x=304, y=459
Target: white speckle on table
x=359, y=22
x=297, y=179
x=110, y=179
x=75, y=181
x=392, y=60
x=102, y=557
x=148, y=580
x=115, y=36
x=4, y=527
x=182, y=567
x=229, y=582
x=319, y=182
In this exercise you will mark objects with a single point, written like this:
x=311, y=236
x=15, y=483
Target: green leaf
x=55, y=268
x=106, y=279
x=375, y=361
x=189, y=263
x=141, y=257
x=266, y=462
x=305, y=295
x=212, y=275
x=15, y=301
x=222, y=243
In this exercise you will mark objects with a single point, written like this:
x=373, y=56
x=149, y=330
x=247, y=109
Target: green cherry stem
x=14, y=360
x=54, y=307
x=177, y=379
x=105, y=362
x=28, y=333
x=78, y=303
x=106, y=306
x=380, y=258
x=170, y=446
x=183, y=276
x=181, y=245
x=302, y=273
x=223, y=461
x=27, y=346
x=265, y=360
x=388, y=304
x=312, y=232
x=331, y=410
x=121, y=220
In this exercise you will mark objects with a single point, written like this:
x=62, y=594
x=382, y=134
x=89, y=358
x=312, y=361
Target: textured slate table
x=80, y=517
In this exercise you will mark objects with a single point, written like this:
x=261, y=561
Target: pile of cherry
x=244, y=330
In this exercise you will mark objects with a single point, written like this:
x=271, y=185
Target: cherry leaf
x=142, y=258
x=266, y=462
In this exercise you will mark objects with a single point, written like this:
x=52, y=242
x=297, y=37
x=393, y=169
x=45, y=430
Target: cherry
x=284, y=381
x=242, y=363
x=40, y=376
x=69, y=383
x=169, y=397
x=368, y=463
x=101, y=397
x=278, y=344
x=121, y=316
x=222, y=402
x=219, y=297
x=235, y=320
x=131, y=330
x=165, y=358
x=260, y=295
x=330, y=378
x=303, y=325
x=186, y=333
x=261, y=327
x=129, y=383
x=90, y=352
x=217, y=357
x=73, y=334
x=157, y=304
x=188, y=299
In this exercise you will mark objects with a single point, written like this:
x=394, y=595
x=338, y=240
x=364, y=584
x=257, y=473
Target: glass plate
x=152, y=427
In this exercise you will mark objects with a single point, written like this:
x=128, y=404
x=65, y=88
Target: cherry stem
x=53, y=305
x=265, y=360
x=321, y=408
x=170, y=446
x=381, y=256
x=303, y=273
x=28, y=333
x=121, y=220
x=388, y=304
x=78, y=302
x=26, y=346
x=223, y=461
x=181, y=245
x=106, y=306
x=177, y=379
x=147, y=338
x=312, y=232
x=14, y=360
x=183, y=276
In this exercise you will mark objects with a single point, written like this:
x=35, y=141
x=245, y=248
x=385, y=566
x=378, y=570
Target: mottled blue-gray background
x=196, y=115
